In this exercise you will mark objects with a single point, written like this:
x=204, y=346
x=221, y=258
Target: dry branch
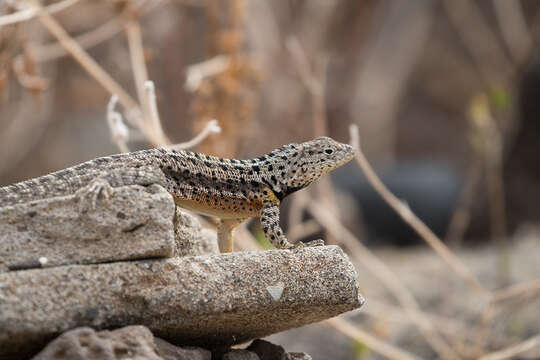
x=410, y=218
x=86, y=61
x=527, y=288
x=151, y=125
x=386, y=276
x=377, y=345
x=513, y=351
x=27, y=14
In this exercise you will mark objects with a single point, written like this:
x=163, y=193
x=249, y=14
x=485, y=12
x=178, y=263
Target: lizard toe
x=318, y=242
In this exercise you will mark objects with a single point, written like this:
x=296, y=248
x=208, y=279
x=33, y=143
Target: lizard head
x=314, y=158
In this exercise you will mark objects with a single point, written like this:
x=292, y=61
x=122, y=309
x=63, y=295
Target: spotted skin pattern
x=229, y=189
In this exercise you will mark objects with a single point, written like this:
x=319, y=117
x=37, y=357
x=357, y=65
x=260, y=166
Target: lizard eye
x=329, y=151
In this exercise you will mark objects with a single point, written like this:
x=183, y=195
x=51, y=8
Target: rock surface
x=137, y=342
x=131, y=342
x=211, y=301
x=134, y=223
x=266, y=350
x=170, y=352
x=191, y=239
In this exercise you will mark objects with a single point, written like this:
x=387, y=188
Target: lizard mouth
x=348, y=154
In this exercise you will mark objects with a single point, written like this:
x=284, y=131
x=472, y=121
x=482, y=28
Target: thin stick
x=386, y=276
x=154, y=120
x=146, y=94
x=55, y=50
x=102, y=33
x=462, y=214
x=136, y=51
x=525, y=288
x=394, y=314
x=27, y=14
x=119, y=130
x=197, y=72
x=513, y=351
x=212, y=127
x=379, y=346
x=86, y=61
x=410, y=218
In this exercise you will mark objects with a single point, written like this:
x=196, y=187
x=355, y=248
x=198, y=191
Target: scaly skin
x=229, y=189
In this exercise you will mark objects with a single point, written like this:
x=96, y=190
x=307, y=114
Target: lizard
x=231, y=190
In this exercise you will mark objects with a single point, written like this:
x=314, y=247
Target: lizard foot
x=90, y=194
x=318, y=242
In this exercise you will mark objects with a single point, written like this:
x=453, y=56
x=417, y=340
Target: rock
x=266, y=350
x=134, y=223
x=87, y=344
x=239, y=354
x=168, y=351
x=131, y=342
x=191, y=238
x=210, y=301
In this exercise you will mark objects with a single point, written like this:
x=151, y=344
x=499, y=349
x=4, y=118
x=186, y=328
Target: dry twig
x=102, y=33
x=117, y=127
x=386, y=276
x=514, y=350
x=196, y=73
x=145, y=89
x=86, y=61
x=521, y=289
x=370, y=341
x=27, y=14
x=211, y=127
x=410, y=218
x=394, y=314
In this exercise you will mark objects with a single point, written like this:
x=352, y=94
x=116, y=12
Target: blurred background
x=444, y=94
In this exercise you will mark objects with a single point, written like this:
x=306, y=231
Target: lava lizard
x=229, y=189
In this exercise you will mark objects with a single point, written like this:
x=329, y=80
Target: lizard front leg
x=224, y=230
x=270, y=221
x=270, y=224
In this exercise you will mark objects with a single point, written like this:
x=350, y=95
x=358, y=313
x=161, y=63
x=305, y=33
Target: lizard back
x=207, y=184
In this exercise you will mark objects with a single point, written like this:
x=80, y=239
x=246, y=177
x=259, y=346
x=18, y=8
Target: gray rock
x=191, y=238
x=131, y=342
x=240, y=354
x=134, y=223
x=168, y=351
x=87, y=344
x=265, y=350
x=209, y=301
